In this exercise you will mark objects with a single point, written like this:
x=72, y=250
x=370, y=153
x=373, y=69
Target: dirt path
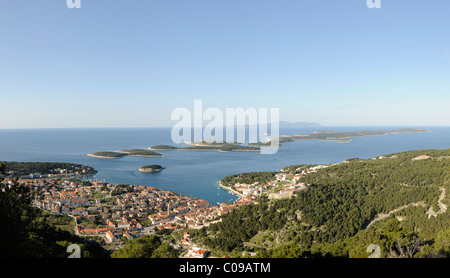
x=386, y=215
x=430, y=212
x=442, y=206
x=254, y=245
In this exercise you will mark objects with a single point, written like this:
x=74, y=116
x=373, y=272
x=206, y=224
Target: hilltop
x=397, y=201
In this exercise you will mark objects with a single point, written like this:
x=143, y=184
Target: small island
x=151, y=168
x=128, y=152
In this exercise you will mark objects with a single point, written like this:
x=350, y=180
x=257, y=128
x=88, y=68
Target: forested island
x=151, y=168
x=209, y=145
x=221, y=147
x=128, y=152
x=343, y=137
x=397, y=201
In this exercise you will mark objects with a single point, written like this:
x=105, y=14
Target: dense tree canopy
x=25, y=168
x=26, y=234
x=149, y=246
x=248, y=178
x=342, y=200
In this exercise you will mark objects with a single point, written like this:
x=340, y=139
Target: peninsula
x=342, y=137
x=35, y=170
x=337, y=210
x=128, y=152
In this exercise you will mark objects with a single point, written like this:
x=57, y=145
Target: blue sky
x=129, y=63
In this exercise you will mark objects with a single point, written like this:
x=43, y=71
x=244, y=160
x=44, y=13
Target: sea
x=196, y=173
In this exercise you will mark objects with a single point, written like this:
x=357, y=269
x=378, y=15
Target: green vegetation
x=27, y=232
x=121, y=189
x=107, y=154
x=293, y=169
x=343, y=137
x=267, y=144
x=248, y=178
x=63, y=222
x=119, y=154
x=154, y=166
x=394, y=240
x=397, y=201
x=235, y=147
x=151, y=168
x=140, y=152
x=330, y=217
x=224, y=147
x=45, y=168
x=149, y=246
x=163, y=147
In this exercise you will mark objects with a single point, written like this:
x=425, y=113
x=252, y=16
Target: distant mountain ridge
x=298, y=124
x=285, y=124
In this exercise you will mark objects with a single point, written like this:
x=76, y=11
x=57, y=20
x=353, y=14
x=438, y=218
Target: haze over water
x=196, y=173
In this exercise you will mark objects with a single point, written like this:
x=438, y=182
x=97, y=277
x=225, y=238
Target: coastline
x=140, y=155
x=149, y=170
x=98, y=156
x=347, y=139
x=123, y=153
x=108, y=172
x=205, y=150
x=232, y=191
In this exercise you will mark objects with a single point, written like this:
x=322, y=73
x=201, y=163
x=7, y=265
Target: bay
x=196, y=173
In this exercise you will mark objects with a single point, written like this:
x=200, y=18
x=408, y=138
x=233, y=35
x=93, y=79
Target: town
x=117, y=213
x=284, y=184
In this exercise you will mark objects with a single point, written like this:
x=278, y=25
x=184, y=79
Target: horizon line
x=142, y=127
